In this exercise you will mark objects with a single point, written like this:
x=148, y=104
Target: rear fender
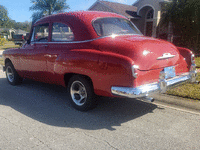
x=103, y=68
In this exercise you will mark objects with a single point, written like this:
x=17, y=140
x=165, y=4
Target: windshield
x=118, y=26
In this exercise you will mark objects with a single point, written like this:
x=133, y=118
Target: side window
x=40, y=33
x=61, y=32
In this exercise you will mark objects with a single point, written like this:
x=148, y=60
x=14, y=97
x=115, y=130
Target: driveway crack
x=100, y=140
x=22, y=129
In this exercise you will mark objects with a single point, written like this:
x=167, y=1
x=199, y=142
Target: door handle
x=54, y=56
x=48, y=55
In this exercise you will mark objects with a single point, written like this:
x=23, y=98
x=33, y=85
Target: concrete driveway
x=38, y=116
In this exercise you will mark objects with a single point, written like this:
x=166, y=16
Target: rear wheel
x=11, y=74
x=81, y=93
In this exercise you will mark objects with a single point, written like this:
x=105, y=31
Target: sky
x=18, y=10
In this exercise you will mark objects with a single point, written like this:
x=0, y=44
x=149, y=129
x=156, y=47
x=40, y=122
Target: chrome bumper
x=161, y=86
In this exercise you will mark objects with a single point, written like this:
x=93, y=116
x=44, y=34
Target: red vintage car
x=98, y=53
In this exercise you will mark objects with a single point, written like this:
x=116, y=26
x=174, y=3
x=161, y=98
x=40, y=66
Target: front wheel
x=11, y=74
x=81, y=93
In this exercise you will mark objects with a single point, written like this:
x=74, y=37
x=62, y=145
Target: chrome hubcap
x=78, y=93
x=10, y=74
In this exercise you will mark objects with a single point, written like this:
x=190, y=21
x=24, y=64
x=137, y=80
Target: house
x=7, y=32
x=151, y=12
x=19, y=31
x=122, y=9
x=145, y=14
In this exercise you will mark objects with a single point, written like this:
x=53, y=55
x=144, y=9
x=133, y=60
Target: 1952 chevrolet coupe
x=97, y=53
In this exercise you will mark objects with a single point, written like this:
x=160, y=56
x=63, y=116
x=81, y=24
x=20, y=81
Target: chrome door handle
x=54, y=56
x=47, y=55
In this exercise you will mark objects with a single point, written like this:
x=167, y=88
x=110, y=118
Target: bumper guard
x=160, y=86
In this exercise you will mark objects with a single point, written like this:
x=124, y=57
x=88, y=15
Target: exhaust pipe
x=148, y=99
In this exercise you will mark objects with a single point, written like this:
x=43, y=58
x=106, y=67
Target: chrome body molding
x=166, y=56
x=160, y=86
x=74, y=42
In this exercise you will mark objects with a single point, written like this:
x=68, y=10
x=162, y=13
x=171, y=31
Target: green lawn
x=8, y=45
x=1, y=61
x=197, y=62
x=188, y=90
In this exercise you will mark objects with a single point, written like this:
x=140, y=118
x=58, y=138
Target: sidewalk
x=1, y=51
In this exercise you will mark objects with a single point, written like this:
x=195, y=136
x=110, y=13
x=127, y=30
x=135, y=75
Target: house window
x=150, y=14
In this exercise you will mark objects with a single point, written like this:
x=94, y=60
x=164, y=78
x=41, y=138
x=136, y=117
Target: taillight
x=134, y=67
x=192, y=59
x=22, y=37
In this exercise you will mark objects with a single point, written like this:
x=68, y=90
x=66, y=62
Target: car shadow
x=49, y=104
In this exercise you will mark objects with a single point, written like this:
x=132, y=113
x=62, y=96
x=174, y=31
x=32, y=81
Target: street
x=37, y=116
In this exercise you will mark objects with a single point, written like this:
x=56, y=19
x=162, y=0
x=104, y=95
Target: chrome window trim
x=33, y=35
x=85, y=41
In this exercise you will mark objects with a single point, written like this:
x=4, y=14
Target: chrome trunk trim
x=166, y=56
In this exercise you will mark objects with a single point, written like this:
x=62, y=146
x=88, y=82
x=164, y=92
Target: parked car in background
x=19, y=39
x=98, y=53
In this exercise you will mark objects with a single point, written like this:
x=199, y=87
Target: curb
x=177, y=101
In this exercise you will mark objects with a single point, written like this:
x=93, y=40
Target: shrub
x=2, y=41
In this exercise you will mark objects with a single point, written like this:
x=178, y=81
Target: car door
x=61, y=42
x=33, y=58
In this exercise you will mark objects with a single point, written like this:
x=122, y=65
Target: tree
x=47, y=7
x=3, y=16
x=185, y=18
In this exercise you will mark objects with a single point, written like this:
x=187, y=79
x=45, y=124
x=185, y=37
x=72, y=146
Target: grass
x=197, y=62
x=188, y=90
x=7, y=45
x=1, y=61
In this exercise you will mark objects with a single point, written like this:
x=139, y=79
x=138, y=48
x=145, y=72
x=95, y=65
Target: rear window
x=62, y=32
x=117, y=26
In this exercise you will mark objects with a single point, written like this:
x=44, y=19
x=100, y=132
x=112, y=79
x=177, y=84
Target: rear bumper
x=160, y=86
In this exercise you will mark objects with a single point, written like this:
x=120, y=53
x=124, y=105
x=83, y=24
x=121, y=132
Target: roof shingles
x=123, y=9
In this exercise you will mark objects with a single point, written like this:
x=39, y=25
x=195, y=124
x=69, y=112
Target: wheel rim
x=10, y=74
x=78, y=93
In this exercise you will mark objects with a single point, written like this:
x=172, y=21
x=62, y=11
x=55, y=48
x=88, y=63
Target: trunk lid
x=150, y=53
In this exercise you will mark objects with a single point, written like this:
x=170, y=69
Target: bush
x=2, y=41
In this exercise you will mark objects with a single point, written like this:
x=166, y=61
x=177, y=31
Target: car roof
x=80, y=22
x=83, y=15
